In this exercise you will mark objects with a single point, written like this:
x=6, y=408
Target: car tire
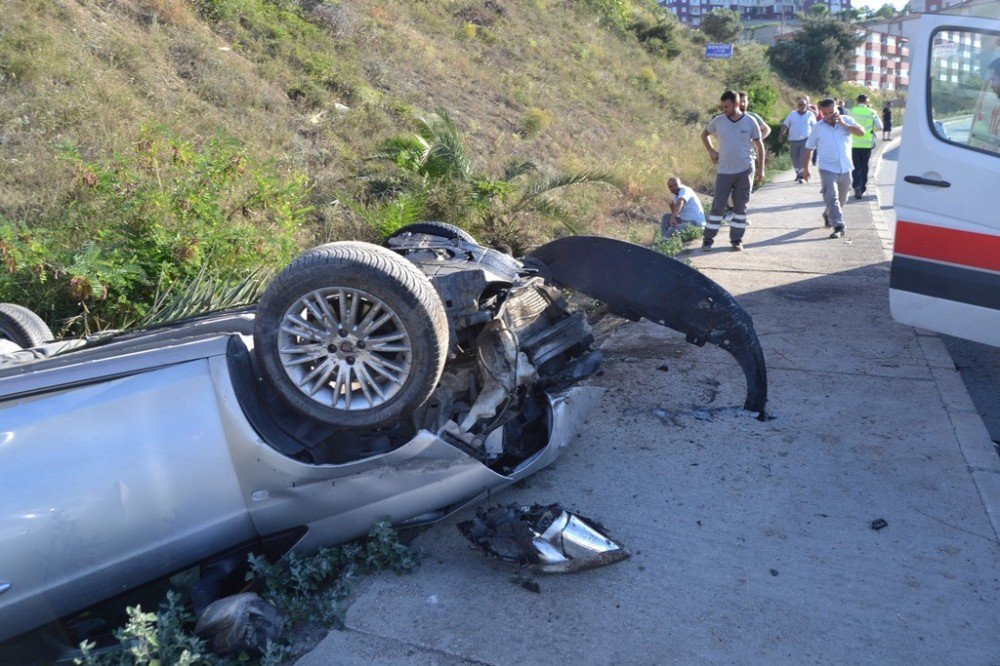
x=22, y=326
x=439, y=229
x=351, y=334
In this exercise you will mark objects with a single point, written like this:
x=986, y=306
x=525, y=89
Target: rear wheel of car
x=351, y=334
x=439, y=229
x=22, y=326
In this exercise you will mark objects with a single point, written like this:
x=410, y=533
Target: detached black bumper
x=637, y=282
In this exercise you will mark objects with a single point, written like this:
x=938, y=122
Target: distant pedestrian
x=796, y=127
x=841, y=109
x=737, y=135
x=765, y=129
x=819, y=117
x=861, y=146
x=832, y=138
x=886, y=122
x=685, y=209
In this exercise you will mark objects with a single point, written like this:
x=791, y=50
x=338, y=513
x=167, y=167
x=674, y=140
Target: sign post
x=722, y=51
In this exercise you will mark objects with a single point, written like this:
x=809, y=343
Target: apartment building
x=881, y=62
x=905, y=25
x=690, y=11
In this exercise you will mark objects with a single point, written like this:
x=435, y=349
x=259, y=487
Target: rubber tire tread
x=22, y=326
x=384, y=274
x=439, y=229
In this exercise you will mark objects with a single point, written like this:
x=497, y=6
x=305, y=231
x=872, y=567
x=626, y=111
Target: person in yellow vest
x=861, y=146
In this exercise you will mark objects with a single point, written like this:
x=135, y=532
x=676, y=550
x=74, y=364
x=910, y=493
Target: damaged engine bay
x=512, y=340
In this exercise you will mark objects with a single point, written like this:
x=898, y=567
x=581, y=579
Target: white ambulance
x=946, y=263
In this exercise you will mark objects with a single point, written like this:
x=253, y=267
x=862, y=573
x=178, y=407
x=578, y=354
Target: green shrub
x=647, y=77
x=614, y=13
x=308, y=588
x=311, y=587
x=657, y=32
x=536, y=121
x=147, y=220
x=676, y=243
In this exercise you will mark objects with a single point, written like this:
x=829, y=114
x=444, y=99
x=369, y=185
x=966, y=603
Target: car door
x=946, y=263
x=109, y=484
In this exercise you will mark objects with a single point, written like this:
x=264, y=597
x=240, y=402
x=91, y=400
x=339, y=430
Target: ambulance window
x=964, y=86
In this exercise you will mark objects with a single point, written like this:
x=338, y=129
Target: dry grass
x=532, y=79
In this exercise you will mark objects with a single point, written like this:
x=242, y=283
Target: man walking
x=797, y=126
x=685, y=209
x=833, y=137
x=861, y=147
x=738, y=136
x=765, y=129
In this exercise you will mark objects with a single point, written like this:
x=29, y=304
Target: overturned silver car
x=404, y=381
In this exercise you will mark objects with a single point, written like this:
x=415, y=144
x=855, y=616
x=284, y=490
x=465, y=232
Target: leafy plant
x=615, y=13
x=162, y=637
x=311, y=587
x=721, y=25
x=657, y=32
x=813, y=56
x=437, y=179
x=306, y=588
x=676, y=243
x=147, y=222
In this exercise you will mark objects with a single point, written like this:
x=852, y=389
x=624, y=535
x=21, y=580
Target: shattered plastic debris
x=239, y=622
x=548, y=539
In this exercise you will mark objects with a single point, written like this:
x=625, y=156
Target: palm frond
x=386, y=217
x=206, y=292
x=544, y=185
x=516, y=168
x=445, y=155
x=551, y=208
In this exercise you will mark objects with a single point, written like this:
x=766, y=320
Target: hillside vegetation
x=148, y=144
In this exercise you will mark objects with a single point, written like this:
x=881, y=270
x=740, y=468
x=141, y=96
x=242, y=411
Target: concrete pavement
x=752, y=541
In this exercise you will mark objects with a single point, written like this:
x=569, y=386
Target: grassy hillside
x=197, y=128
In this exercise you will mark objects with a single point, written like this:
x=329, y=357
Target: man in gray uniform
x=738, y=137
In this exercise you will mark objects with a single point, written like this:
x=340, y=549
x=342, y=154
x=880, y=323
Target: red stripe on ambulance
x=953, y=246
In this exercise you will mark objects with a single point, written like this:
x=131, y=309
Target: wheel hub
x=345, y=348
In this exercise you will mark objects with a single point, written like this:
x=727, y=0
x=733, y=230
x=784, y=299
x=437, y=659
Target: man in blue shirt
x=685, y=209
x=832, y=138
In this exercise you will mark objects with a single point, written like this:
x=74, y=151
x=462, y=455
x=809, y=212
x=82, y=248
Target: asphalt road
x=978, y=364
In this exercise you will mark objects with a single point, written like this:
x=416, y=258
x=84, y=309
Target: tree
x=819, y=9
x=814, y=55
x=886, y=11
x=722, y=25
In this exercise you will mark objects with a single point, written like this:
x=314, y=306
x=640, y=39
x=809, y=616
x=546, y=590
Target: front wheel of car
x=439, y=229
x=22, y=326
x=351, y=334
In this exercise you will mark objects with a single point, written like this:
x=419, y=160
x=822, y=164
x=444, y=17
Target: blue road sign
x=724, y=51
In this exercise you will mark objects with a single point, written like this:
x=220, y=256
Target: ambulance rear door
x=946, y=262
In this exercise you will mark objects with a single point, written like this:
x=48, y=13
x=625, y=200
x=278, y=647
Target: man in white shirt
x=832, y=137
x=685, y=209
x=796, y=127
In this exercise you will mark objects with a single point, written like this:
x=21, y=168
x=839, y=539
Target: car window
x=964, y=88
